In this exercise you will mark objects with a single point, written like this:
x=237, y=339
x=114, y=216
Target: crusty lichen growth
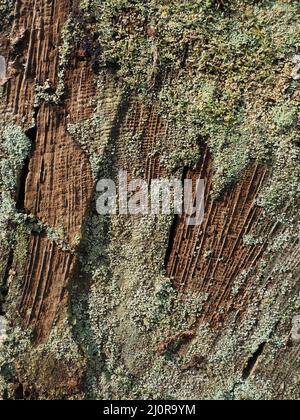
x=6, y=13
x=131, y=307
x=227, y=71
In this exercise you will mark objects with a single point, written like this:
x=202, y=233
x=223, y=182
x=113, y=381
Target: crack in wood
x=252, y=362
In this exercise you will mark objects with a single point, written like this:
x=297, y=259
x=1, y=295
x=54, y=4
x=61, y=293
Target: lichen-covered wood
x=146, y=307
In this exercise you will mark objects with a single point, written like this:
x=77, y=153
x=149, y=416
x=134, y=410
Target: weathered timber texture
x=130, y=307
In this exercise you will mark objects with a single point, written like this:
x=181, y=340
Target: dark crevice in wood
x=253, y=360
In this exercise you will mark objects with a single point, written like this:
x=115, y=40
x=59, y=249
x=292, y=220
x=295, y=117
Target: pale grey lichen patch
x=295, y=334
x=229, y=79
x=3, y=335
x=234, y=90
x=94, y=134
x=131, y=307
x=283, y=189
x=15, y=147
x=57, y=360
